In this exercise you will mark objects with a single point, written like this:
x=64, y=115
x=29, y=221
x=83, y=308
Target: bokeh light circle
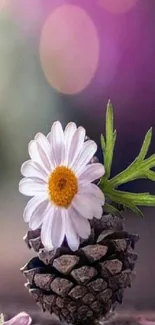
x=69, y=49
x=117, y=6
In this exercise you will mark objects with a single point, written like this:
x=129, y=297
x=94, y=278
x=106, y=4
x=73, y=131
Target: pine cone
x=83, y=286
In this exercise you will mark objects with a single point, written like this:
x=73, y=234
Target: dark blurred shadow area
x=29, y=103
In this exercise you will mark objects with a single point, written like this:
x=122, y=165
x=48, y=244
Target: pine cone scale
x=84, y=274
x=61, y=286
x=43, y=281
x=97, y=285
x=94, y=252
x=65, y=263
x=78, y=292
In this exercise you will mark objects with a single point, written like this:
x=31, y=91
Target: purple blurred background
x=64, y=60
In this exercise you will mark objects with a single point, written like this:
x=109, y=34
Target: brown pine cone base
x=82, y=287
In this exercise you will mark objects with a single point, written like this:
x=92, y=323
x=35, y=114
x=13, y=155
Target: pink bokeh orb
x=117, y=6
x=69, y=49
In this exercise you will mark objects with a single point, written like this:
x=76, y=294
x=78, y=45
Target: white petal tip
x=20, y=187
x=56, y=123
x=86, y=235
x=37, y=136
x=49, y=248
x=74, y=248
x=30, y=144
x=25, y=219
x=21, y=168
x=103, y=202
x=99, y=216
x=71, y=124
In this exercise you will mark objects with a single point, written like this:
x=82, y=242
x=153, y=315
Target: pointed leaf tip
x=145, y=145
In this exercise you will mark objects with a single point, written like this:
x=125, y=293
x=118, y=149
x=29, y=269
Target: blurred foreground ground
x=119, y=318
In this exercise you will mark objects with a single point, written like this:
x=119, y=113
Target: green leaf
x=114, y=138
x=150, y=175
x=103, y=145
x=149, y=162
x=145, y=146
x=108, y=145
x=141, y=199
x=140, y=168
x=130, y=200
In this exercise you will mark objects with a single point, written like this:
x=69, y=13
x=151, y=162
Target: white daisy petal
x=72, y=237
x=93, y=191
x=87, y=206
x=38, y=155
x=57, y=142
x=81, y=225
x=49, y=136
x=91, y=173
x=46, y=153
x=76, y=145
x=58, y=228
x=96, y=204
x=32, y=187
x=97, y=209
x=37, y=217
x=31, y=169
x=46, y=230
x=44, y=143
x=32, y=206
x=68, y=134
x=88, y=151
x=83, y=206
x=33, y=151
x=36, y=222
x=45, y=157
x=51, y=152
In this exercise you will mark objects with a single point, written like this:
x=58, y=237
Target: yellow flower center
x=62, y=186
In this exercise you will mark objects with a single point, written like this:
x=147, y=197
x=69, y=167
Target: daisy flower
x=59, y=177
